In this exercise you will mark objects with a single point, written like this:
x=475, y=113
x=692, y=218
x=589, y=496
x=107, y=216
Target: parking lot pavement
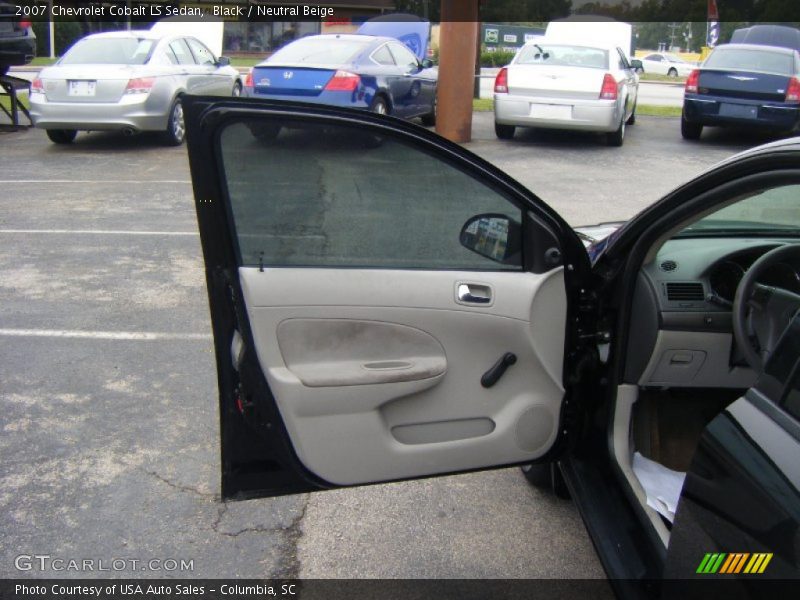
x=108, y=384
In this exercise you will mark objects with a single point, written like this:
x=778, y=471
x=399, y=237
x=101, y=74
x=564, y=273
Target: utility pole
x=457, y=54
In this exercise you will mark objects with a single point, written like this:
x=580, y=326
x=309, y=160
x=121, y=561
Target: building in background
x=507, y=37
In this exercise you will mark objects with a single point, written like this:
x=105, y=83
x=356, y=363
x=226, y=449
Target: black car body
x=369, y=327
x=745, y=85
x=17, y=40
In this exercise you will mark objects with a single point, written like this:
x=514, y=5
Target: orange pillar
x=458, y=36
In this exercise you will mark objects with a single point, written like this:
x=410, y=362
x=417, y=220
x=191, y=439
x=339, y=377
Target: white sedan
x=664, y=63
x=563, y=85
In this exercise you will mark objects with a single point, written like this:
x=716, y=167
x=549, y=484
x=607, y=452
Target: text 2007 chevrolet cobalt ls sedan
x=130, y=81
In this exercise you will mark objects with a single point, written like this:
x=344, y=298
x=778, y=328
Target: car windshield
x=109, y=51
x=320, y=51
x=563, y=56
x=774, y=211
x=750, y=59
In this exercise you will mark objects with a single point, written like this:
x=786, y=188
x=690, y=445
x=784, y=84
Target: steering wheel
x=761, y=312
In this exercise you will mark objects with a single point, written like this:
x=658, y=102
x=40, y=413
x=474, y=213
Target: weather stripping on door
x=473, y=293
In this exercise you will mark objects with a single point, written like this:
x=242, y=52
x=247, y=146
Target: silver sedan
x=130, y=81
x=567, y=86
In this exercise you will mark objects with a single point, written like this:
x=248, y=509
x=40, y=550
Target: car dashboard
x=682, y=332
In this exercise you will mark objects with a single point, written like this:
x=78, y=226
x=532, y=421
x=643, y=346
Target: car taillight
x=140, y=85
x=793, y=91
x=248, y=79
x=501, y=82
x=692, y=81
x=37, y=86
x=608, y=91
x=343, y=81
x=25, y=24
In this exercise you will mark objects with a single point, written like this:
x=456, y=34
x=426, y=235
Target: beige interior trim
x=622, y=449
x=334, y=345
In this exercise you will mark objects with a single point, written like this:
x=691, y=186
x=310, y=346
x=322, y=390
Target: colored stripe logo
x=734, y=563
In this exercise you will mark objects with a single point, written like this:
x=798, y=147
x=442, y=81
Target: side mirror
x=494, y=236
x=427, y=63
x=223, y=61
x=636, y=65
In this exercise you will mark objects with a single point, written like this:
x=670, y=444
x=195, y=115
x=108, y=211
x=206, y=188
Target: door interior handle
x=473, y=293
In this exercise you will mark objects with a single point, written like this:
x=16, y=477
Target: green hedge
x=499, y=58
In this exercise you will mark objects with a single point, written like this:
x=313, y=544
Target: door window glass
x=320, y=195
x=181, y=52
x=382, y=56
x=201, y=53
x=403, y=56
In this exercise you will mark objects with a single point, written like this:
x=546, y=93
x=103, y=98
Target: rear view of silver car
x=130, y=81
x=567, y=86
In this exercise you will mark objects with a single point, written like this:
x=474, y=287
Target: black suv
x=17, y=40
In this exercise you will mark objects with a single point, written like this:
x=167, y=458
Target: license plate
x=82, y=88
x=551, y=111
x=742, y=111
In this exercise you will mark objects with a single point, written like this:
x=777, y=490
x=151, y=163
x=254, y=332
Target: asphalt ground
x=108, y=387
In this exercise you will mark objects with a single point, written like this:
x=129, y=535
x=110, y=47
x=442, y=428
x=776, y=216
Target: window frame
x=529, y=223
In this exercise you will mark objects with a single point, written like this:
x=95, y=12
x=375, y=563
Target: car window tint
x=202, y=55
x=181, y=51
x=563, y=56
x=654, y=57
x=382, y=56
x=109, y=51
x=324, y=50
x=336, y=196
x=777, y=208
x=403, y=56
x=751, y=60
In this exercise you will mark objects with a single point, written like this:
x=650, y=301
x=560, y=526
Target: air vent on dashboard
x=685, y=292
x=668, y=265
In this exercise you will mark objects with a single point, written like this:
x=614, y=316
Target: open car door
x=385, y=305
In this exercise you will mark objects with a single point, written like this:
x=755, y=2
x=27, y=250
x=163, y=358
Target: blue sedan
x=744, y=85
x=369, y=72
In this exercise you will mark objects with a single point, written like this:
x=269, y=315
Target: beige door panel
x=377, y=373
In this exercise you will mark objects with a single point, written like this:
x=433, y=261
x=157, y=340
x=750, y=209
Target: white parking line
x=82, y=181
x=98, y=231
x=104, y=335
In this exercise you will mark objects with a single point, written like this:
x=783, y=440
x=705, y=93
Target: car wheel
x=616, y=138
x=62, y=136
x=547, y=477
x=690, y=131
x=176, y=128
x=504, y=132
x=430, y=119
x=379, y=106
x=237, y=89
x=673, y=72
x=632, y=119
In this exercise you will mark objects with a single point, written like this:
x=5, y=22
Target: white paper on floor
x=662, y=485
